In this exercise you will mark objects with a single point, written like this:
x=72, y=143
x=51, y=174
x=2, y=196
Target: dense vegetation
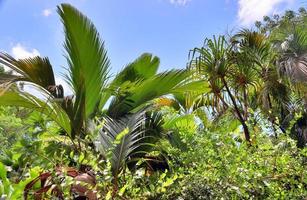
x=232, y=125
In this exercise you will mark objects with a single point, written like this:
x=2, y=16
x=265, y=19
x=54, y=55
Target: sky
x=165, y=28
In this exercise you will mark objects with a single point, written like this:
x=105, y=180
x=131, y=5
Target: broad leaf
x=87, y=60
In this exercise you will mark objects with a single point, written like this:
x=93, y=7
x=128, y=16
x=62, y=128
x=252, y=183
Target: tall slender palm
x=253, y=64
x=213, y=63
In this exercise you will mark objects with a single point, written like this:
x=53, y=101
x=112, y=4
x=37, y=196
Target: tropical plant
x=142, y=134
x=213, y=62
x=88, y=75
x=94, y=94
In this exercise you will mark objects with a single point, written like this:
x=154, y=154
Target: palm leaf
x=8, y=79
x=87, y=60
x=211, y=59
x=142, y=68
x=36, y=70
x=121, y=138
x=147, y=90
x=293, y=48
x=50, y=109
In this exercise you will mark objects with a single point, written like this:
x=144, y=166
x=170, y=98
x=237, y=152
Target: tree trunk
x=245, y=128
x=115, y=187
x=245, y=104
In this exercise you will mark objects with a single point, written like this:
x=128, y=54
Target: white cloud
x=47, y=12
x=252, y=10
x=179, y=2
x=20, y=52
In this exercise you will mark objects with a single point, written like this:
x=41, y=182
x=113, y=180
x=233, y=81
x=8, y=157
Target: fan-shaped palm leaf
x=147, y=90
x=142, y=68
x=293, y=48
x=87, y=60
x=36, y=70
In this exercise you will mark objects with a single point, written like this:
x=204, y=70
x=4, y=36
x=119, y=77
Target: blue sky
x=166, y=28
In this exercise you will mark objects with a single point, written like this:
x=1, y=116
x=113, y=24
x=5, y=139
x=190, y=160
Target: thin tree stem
x=245, y=128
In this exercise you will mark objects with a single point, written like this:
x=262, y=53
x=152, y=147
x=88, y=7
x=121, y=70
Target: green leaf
x=81, y=157
x=36, y=70
x=147, y=90
x=120, y=136
x=87, y=60
x=50, y=109
x=122, y=190
x=109, y=195
x=193, y=86
x=2, y=171
x=144, y=67
x=120, y=139
x=7, y=187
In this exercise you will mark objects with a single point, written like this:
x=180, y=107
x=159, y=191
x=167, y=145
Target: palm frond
x=211, y=59
x=36, y=70
x=51, y=109
x=8, y=79
x=142, y=68
x=293, y=48
x=121, y=138
x=87, y=60
x=147, y=90
x=253, y=45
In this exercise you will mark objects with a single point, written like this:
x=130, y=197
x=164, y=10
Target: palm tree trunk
x=271, y=118
x=115, y=187
x=245, y=104
x=241, y=119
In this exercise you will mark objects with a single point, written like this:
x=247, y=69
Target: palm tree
x=255, y=72
x=290, y=41
x=88, y=71
x=117, y=101
x=88, y=67
x=213, y=63
x=121, y=138
x=292, y=46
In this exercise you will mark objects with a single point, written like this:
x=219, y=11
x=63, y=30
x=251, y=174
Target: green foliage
x=37, y=70
x=87, y=59
x=178, y=134
x=120, y=139
x=221, y=166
